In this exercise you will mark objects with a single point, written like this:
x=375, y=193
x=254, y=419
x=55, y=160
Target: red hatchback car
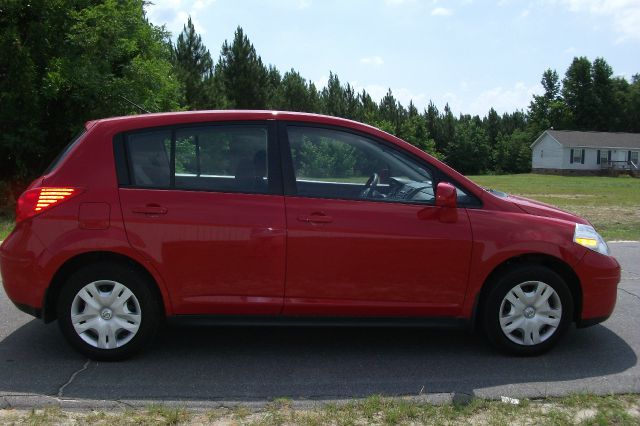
x=277, y=218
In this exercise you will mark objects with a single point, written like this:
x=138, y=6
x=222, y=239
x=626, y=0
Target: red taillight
x=35, y=201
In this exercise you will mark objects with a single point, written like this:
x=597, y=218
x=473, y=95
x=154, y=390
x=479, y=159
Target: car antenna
x=135, y=105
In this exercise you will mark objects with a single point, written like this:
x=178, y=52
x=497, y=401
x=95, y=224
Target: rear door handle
x=318, y=217
x=150, y=209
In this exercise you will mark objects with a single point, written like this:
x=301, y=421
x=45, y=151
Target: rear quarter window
x=149, y=154
x=65, y=152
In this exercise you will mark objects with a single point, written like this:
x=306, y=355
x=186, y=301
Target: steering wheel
x=370, y=186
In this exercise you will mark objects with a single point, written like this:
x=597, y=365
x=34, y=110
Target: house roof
x=570, y=138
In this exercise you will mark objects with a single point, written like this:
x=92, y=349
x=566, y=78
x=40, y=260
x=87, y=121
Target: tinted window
x=149, y=158
x=334, y=164
x=213, y=158
x=222, y=158
x=63, y=154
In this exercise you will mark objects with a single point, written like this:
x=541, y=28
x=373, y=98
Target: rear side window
x=149, y=155
x=219, y=158
x=222, y=158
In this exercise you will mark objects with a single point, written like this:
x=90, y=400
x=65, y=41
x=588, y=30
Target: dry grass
x=376, y=410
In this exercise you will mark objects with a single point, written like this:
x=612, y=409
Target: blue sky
x=472, y=54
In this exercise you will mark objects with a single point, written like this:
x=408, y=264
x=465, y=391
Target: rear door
x=204, y=204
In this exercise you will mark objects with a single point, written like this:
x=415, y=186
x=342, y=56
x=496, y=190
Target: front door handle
x=317, y=217
x=150, y=209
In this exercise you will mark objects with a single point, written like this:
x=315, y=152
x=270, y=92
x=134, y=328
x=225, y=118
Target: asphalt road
x=191, y=364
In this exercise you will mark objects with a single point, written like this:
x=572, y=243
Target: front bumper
x=599, y=276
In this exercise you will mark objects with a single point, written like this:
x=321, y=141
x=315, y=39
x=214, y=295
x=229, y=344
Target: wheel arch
x=76, y=262
x=553, y=263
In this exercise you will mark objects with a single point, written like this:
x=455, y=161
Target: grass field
x=573, y=410
x=612, y=204
x=6, y=225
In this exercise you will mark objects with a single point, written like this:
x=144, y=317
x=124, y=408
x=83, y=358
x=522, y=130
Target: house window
x=604, y=157
x=542, y=153
x=577, y=156
x=633, y=156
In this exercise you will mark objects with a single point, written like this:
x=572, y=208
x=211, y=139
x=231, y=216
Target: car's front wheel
x=108, y=311
x=528, y=310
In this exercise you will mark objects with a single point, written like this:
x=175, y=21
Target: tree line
x=64, y=62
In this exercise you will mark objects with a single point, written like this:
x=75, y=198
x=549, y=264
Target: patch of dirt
x=584, y=415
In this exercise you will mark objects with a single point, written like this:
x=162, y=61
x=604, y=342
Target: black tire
x=148, y=304
x=493, y=303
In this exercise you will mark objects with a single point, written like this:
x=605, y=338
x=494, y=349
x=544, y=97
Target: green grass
x=6, y=225
x=375, y=410
x=612, y=204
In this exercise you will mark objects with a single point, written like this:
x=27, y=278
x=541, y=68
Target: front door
x=204, y=205
x=364, y=234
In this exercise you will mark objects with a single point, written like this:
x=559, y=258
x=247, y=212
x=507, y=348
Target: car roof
x=132, y=122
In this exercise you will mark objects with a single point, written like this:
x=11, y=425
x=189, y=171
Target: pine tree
x=194, y=67
x=295, y=95
x=242, y=74
x=333, y=97
x=390, y=112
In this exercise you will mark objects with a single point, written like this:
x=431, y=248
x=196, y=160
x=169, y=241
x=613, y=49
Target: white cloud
x=304, y=4
x=405, y=96
x=376, y=61
x=625, y=14
x=569, y=50
x=525, y=13
x=321, y=82
x=174, y=13
x=441, y=11
x=398, y=2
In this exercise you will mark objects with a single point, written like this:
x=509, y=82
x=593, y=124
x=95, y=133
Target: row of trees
x=67, y=61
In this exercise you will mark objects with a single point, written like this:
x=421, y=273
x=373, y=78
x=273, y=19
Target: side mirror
x=446, y=195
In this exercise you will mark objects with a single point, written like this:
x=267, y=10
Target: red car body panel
x=225, y=253
x=222, y=253
x=381, y=255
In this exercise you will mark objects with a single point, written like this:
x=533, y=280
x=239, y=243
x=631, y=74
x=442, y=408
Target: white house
x=572, y=152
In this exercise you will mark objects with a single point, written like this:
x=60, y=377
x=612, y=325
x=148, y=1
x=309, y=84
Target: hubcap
x=106, y=314
x=530, y=313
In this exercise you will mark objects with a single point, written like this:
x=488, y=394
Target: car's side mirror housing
x=446, y=195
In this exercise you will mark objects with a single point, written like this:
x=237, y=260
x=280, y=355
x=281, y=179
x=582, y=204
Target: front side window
x=211, y=158
x=335, y=164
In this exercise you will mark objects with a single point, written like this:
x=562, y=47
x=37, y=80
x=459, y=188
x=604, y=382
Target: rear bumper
x=36, y=312
x=22, y=278
x=599, y=276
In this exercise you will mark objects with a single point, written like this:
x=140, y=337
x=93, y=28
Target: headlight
x=586, y=236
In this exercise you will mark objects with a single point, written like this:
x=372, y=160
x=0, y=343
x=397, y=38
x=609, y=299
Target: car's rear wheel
x=108, y=311
x=528, y=310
